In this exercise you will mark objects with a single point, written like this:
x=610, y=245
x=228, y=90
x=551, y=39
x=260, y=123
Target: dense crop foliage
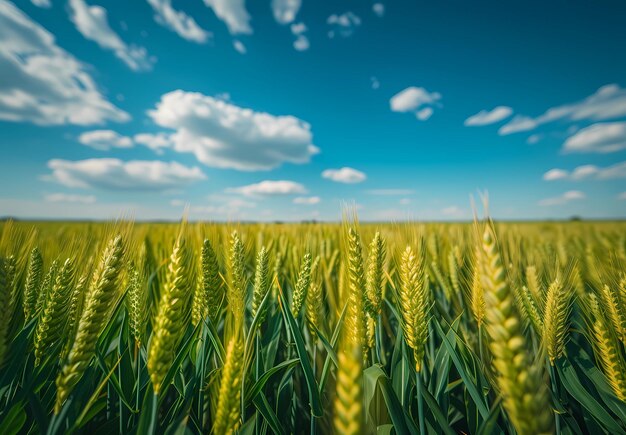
x=393, y=328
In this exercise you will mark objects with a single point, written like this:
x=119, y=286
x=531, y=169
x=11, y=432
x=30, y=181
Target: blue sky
x=286, y=109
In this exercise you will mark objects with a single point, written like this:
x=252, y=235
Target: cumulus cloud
x=64, y=197
x=41, y=82
x=608, y=102
x=233, y=13
x=93, y=24
x=390, y=192
x=344, y=175
x=114, y=174
x=572, y=195
x=307, y=200
x=104, y=140
x=605, y=137
x=612, y=172
x=156, y=142
x=555, y=174
x=178, y=22
x=223, y=135
x=285, y=11
x=416, y=100
x=486, y=117
x=270, y=188
x=379, y=9
x=343, y=25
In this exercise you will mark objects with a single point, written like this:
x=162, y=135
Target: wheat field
x=474, y=328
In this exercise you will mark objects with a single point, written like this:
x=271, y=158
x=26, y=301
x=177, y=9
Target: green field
x=350, y=328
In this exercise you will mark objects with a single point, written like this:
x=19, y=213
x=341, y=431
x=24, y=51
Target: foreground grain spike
x=5, y=313
x=477, y=297
x=46, y=286
x=103, y=292
x=261, y=282
x=302, y=285
x=375, y=275
x=209, y=294
x=33, y=283
x=73, y=313
x=348, y=418
x=413, y=305
x=228, y=415
x=237, y=280
x=52, y=322
x=556, y=317
x=520, y=379
x=135, y=302
x=356, y=292
x=607, y=351
x=529, y=310
x=615, y=310
x=173, y=314
x=314, y=303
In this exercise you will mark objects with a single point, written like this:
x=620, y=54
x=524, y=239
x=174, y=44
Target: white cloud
x=42, y=3
x=302, y=42
x=584, y=171
x=605, y=137
x=424, y=114
x=178, y=21
x=344, y=175
x=417, y=100
x=486, y=117
x=572, y=195
x=239, y=46
x=533, y=139
x=156, y=142
x=270, y=188
x=379, y=9
x=608, y=102
x=105, y=140
x=223, y=135
x=64, y=197
x=307, y=200
x=615, y=171
x=233, y=13
x=114, y=174
x=555, y=174
x=93, y=24
x=41, y=82
x=390, y=192
x=344, y=24
x=285, y=11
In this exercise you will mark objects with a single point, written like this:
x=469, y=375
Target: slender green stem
x=555, y=391
x=420, y=402
x=312, y=430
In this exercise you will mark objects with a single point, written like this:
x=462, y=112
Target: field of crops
x=313, y=328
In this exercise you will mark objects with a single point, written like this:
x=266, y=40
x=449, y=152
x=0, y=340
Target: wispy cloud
x=179, y=22
x=572, y=195
x=343, y=25
x=616, y=171
x=486, y=117
x=64, y=197
x=233, y=13
x=602, y=138
x=307, y=200
x=270, y=188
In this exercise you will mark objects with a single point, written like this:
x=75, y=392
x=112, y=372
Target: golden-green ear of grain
x=520, y=379
x=607, y=350
x=52, y=322
x=314, y=302
x=356, y=323
x=555, y=324
x=237, y=280
x=173, y=313
x=104, y=290
x=302, y=285
x=261, y=282
x=228, y=418
x=33, y=283
x=348, y=418
x=413, y=305
x=209, y=293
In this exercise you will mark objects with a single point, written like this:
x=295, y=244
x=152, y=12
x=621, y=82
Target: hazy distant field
x=320, y=328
